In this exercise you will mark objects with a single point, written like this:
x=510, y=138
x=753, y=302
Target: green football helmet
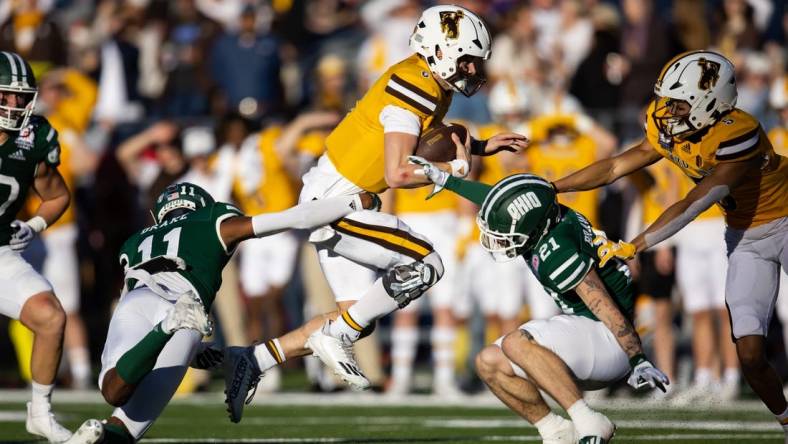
x=16, y=78
x=182, y=196
x=516, y=213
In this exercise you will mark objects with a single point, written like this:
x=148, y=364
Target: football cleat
x=565, y=434
x=46, y=426
x=337, y=354
x=606, y=431
x=188, y=312
x=241, y=376
x=90, y=432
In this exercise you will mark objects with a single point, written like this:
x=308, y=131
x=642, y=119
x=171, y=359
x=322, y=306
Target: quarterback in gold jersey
x=693, y=122
x=368, y=151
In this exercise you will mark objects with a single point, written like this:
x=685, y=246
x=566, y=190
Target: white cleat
x=90, y=432
x=338, y=355
x=46, y=426
x=603, y=430
x=188, y=312
x=565, y=434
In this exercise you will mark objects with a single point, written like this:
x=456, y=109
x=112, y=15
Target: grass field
x=355, y=418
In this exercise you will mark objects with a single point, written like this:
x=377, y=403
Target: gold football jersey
x=276, y=191
x=355, y=147
x=737, y=136
x=553, y=162
x=779, y=138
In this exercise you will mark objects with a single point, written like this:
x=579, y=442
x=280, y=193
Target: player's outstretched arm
x=511, y=142
x=596, y=297
x=713, y=188
x=607, y=171
x=306, y=215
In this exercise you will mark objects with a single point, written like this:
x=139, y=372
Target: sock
x=548, y=425
x=140, y=359
x=40, y=403
x=584, y=418
x=403, y=350
x=782, y=418
x=703, y=377
x=374, y=304
x=731, y=375
x=442, y=339
x=115, y=434
x=269, y=354
x=79, y=359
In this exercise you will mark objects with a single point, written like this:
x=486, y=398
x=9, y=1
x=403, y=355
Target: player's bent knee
x=114, y=390
x=43, y=313
x=489, y=360
x=517, y=341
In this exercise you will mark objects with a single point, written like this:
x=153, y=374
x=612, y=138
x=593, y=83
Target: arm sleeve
x=473, y=191
x=307, y=215
x=399, y=120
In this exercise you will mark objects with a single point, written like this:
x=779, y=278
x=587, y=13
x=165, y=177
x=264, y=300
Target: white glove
x=22, y=234
x=645, y=374
x=431, y=172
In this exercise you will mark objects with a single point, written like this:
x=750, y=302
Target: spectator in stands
x=152, y=160
x=30, y=33
x=66, y=97
x=735, y=27
x=514, y=53
x=647, y=43
x=245, y=65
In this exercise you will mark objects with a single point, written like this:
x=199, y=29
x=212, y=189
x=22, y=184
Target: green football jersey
x=563, y=258
x=20, y=154
x=193, y=237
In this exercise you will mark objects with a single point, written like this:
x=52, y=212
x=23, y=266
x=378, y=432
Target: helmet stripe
x=12, y=64
x=22, y=68
x=494, y=195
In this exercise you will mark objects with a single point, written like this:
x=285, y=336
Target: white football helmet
x=445, y=34
x=704, y=79
x=509, y=98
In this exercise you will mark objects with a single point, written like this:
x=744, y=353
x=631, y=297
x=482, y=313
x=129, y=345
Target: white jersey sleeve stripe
x=564, y=266
x=412, y=96
x=739, y=147
x=572, y=281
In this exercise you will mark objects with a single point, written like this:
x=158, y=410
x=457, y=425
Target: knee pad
x=407, y=282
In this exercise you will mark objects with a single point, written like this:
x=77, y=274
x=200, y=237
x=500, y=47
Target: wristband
x=459, y=167
x=37, y=224
x=637, y=359
x=478, y=147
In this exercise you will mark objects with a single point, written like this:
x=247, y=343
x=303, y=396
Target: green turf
x=408, y=425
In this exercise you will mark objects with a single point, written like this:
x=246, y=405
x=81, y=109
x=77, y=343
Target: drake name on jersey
x=736, y=137
x=193, y=237
x=563, y=258
x=355, y=147
x=20, y=155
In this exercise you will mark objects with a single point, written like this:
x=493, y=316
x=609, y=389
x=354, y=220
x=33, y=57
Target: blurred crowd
x=238, y=96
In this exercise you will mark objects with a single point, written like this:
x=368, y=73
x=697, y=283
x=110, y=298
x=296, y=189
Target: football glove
x=431, y=172
x=22, y=235
x=608, y=250
x=645, y=374
x=208, y=356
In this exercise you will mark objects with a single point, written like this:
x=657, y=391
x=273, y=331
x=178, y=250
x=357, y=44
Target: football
x=436, y=144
